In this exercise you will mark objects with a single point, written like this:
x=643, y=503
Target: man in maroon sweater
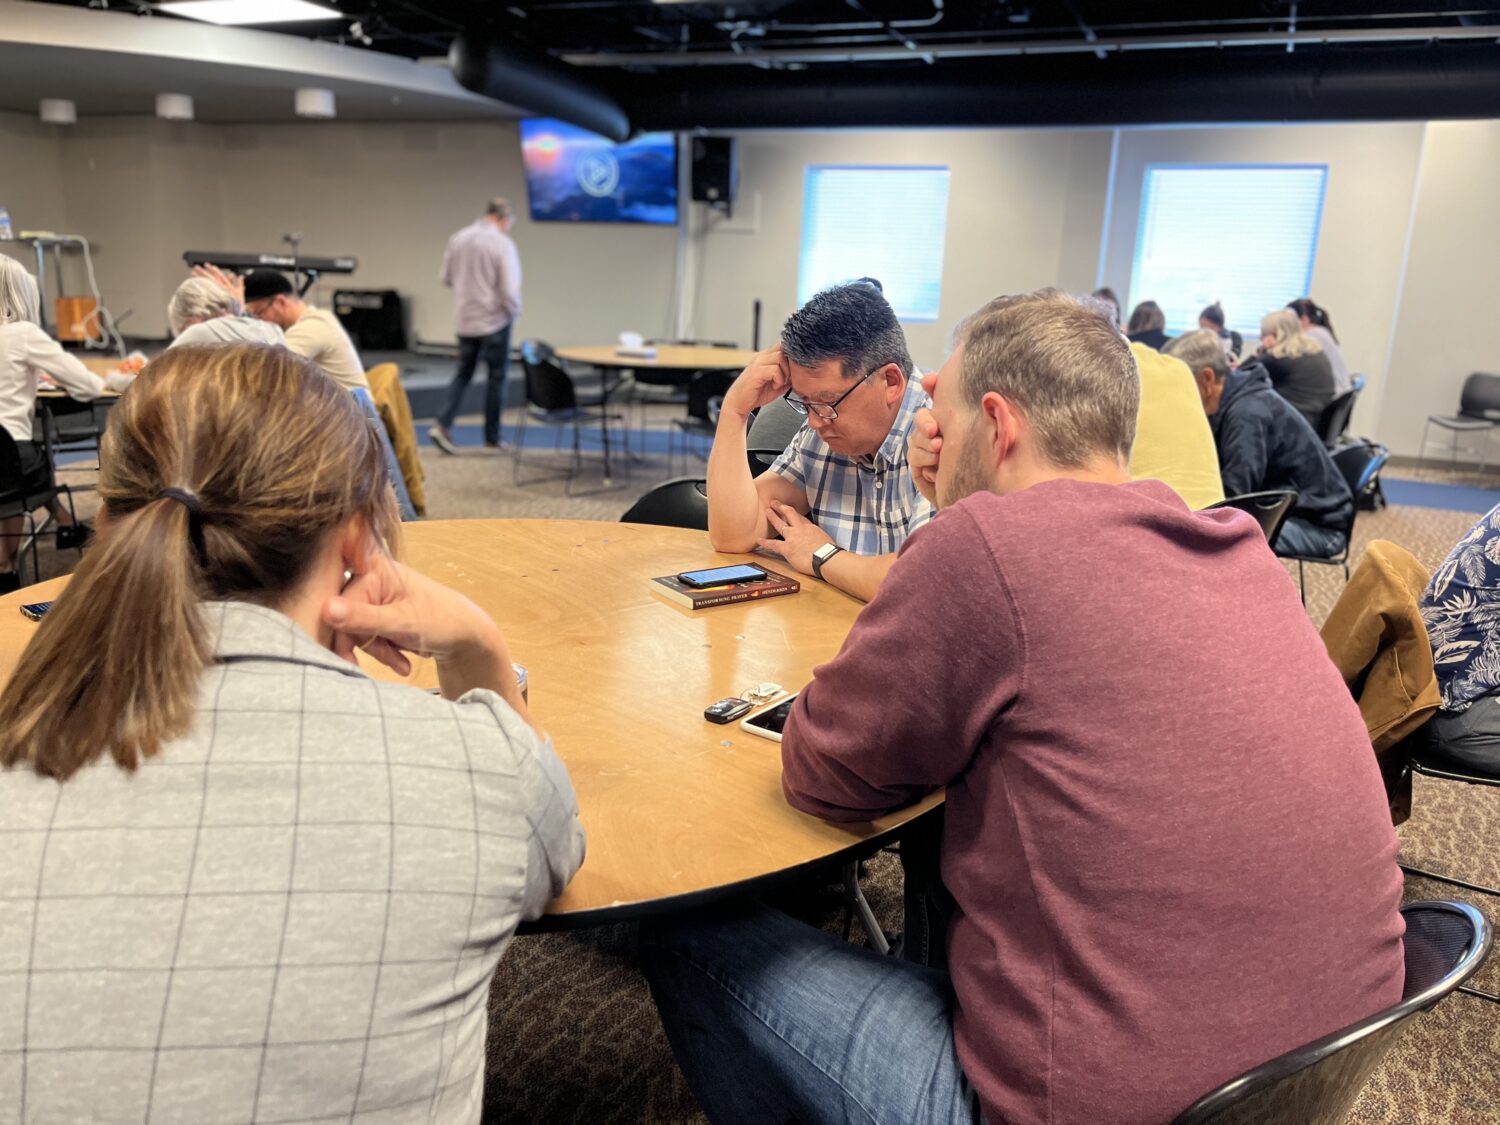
x=1165, y=832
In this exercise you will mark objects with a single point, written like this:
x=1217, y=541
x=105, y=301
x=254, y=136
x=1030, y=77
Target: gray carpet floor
x=574, y=1036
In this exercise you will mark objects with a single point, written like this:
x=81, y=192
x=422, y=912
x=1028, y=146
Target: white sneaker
x=440, y=438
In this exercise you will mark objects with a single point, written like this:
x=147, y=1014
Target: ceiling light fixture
x=174, y=107
x=314, y=102
x=239, y=13
x=58, y=111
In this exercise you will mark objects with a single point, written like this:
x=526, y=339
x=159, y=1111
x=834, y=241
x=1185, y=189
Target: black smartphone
x=721, y=576
x=771, y=722
x=36, y=610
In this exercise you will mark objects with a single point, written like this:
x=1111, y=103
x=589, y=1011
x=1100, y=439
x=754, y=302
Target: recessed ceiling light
x=234, y=13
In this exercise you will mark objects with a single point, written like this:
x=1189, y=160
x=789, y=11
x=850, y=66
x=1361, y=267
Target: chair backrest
x=677, y=503
x=1480, y=397
x=1360, y=465
x=774, y=426
x=1270, y=509
x=706, y=386
x=1445, y=944
x=1335, y=417
x=548, y=387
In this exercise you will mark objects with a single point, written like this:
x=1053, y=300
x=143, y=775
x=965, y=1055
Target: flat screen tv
x=574, y=176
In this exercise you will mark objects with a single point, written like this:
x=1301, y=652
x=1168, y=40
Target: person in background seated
x=1148, y=325
x=206, y=310
x=1299, y=370
x=841, y=496
x=1461, y=607
x=1264, y=444
x=1108, y=295
x=1212, y=319
x=296, y=882
x=311, y=332
x=1173, y=441
x=1317, y=326
x=1133, y=925
x=483, y=269
x=25, y=351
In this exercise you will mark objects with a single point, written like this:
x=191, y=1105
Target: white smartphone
x=769, y=723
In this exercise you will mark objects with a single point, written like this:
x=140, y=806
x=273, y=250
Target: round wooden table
x=678, y=810
x=667, y=358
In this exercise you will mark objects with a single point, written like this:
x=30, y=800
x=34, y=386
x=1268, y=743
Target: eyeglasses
x=825, y=411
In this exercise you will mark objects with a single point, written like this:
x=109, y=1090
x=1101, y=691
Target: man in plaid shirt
x=841, y=496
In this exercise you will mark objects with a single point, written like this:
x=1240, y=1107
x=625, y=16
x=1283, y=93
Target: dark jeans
x=1298, y=537
x=774, y=1021
x=1469, y=741
x=495, y=348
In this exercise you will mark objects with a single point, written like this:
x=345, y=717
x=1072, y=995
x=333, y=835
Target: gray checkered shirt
x=290, y=915
x=868, y=505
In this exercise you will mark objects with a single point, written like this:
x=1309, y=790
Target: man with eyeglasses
x=315, y=333
x=841, y=496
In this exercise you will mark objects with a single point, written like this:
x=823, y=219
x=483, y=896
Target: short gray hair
x=1198, y=350
x=1064, y=364
x=199, y=299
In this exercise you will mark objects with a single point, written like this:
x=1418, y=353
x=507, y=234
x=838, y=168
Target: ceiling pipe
x=1098, y=46
x=1404, y=85
x=537, y=84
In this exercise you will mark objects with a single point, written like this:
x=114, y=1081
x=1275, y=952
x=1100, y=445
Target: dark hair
x=1303, y=306
x=272, y=456
x=499, y=207
x=1214, y=314
x=1105, y=293
x=1146, y=317
x=853, y=324
x=260, y=284
x=1064, y=364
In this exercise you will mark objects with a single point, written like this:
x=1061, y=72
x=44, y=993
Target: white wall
x=31, y=179
x=1371, y=173
x=1447, y=324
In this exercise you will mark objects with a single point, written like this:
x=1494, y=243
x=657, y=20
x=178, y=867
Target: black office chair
x=771, y=430
x=21, y=494
x=705, y=391
x=1333, y=423
x=1415, y=754
x=656, y=386
x=1478, y=405
x=1360, y=465
x=1445, y=943
x=1270, y=509
x=675, y=503
x=552, y=399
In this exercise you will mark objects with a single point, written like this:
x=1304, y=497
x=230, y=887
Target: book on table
x=674, y=589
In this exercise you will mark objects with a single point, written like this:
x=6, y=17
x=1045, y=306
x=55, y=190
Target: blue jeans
x=495, y=348
x=774, y=1021
x=1298, y=537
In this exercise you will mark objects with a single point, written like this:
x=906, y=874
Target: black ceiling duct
x=1208, y=87
x=536, y=84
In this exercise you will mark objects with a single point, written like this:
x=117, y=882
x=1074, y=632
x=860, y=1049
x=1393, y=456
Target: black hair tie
x=194, y=508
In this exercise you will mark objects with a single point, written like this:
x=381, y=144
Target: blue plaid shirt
x=867, y=505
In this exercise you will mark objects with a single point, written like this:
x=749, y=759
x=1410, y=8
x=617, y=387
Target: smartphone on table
x=721, y=576
x=36, y=610
x=770, y=722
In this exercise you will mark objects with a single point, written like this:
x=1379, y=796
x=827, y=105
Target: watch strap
x=821, y=556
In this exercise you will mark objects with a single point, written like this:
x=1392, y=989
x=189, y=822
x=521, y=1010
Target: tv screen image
x=574, y=176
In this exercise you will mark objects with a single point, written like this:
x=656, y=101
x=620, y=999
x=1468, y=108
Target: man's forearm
x=735, y=519
x=858, y=575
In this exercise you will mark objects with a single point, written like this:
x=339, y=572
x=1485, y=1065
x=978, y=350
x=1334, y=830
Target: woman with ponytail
x=1317, y=325
x=263, y=885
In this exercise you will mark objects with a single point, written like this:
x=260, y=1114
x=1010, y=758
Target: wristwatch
x=821, y=556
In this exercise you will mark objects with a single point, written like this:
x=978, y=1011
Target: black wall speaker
x=716, y=169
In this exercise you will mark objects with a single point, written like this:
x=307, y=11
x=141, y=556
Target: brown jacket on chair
x=1376, y=639
x=395, y=412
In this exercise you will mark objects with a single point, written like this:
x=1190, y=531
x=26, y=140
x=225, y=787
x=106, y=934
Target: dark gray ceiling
x=945, y=62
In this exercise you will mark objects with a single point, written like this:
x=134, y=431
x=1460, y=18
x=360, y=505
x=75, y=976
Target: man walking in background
x=483, y=269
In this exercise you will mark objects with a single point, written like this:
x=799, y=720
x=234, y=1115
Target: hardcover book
x=692, y=597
